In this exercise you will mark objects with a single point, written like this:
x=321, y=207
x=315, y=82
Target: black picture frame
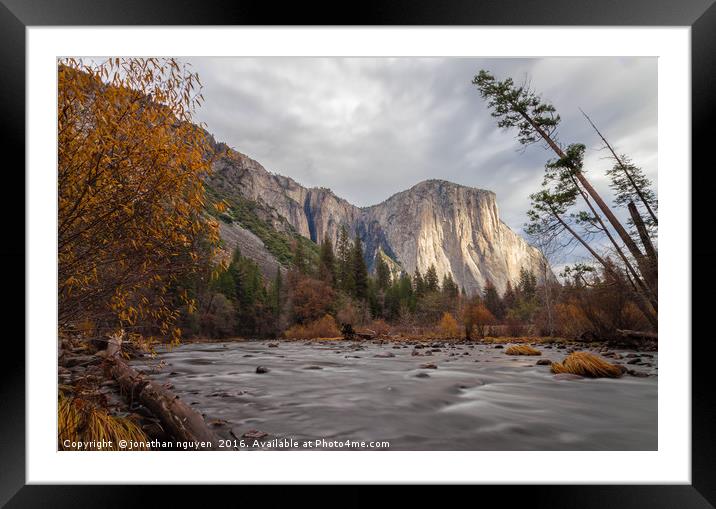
x=700, y=15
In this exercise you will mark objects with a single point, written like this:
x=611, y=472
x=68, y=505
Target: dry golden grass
x=586, y=364
x=79, y=420
x=522, y=350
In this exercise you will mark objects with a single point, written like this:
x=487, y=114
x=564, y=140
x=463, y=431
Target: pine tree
x=431, y=280
x=382, y=273
x=345, y=272
x=276, y=294
x=492, y=300
x=300, y=262
x=521, y=108
x=528, y=284
x=449, y=287
x=406, y=295
x=327, y=262
x=360, y=271
x=509, y=299
x=418, y=283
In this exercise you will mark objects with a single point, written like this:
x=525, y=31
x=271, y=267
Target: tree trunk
x=181, y=421
x=646, y=241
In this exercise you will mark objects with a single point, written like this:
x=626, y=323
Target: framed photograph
x=420, y=249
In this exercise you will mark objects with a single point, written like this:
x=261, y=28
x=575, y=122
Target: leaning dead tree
x=565, y=182
x=181, y=421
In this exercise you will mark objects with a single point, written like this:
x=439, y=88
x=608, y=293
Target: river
x=478, y=398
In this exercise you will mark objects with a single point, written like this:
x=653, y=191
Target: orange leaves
x=131, y=196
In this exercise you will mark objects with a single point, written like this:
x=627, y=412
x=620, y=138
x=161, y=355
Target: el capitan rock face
x=457, y=229
x=454, y=227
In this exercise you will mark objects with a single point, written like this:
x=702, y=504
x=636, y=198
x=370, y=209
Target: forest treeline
x=139, y=248
x=319, y=297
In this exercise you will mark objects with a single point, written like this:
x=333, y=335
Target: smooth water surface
x=478, y=398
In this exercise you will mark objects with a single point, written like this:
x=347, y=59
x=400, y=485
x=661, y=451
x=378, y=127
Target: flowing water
x=478, y=398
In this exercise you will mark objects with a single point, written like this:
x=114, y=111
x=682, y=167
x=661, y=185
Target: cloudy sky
x=370, y=127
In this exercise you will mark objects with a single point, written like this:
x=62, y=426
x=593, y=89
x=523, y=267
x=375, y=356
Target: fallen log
x=638, y=334
x=177, y=418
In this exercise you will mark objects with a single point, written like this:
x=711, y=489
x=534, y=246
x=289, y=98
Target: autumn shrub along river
x=337, y=348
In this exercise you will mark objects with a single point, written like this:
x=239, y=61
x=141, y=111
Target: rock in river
x=261, y=369
x=384, y=355
x=254, y=434
x=429, y=365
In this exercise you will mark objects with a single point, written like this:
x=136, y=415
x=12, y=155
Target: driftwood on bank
x=181, y=421
x=638, y=334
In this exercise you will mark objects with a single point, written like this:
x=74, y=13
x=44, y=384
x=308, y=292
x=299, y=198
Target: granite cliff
x=454, y=227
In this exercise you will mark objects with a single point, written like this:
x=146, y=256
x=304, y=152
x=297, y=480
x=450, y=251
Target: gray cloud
x=370, y=127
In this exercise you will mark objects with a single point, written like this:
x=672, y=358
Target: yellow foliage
x=586, y=364
x=522, y=350
x=130, y=189
x=448, y=326
x=325, y=327
x=79, y=420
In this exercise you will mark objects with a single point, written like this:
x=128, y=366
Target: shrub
x=325, y=327
x=586, y=364
x=448, y=326
x=522, y=350
x=380, y=327
x=571, y=320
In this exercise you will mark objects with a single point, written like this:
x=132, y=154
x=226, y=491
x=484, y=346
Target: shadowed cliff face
x=453, y=227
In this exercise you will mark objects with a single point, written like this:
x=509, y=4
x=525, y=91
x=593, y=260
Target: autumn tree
x=477, y=317
x=448, y=326
x=130, y=193
x=310, y=299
